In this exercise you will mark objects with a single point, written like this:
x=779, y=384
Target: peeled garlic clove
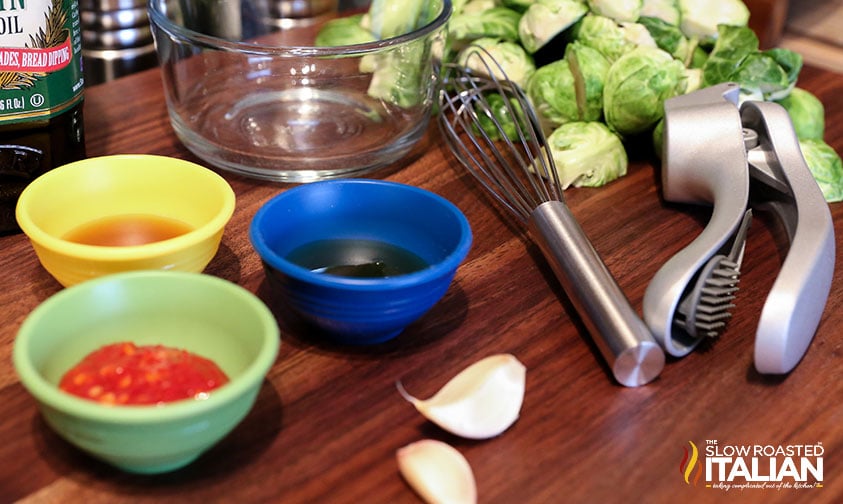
x=480, y=402
x=437, y=472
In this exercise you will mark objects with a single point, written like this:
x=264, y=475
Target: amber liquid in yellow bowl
x=127, y=230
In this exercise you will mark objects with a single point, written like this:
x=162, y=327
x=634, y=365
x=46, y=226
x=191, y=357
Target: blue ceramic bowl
x=326, y=218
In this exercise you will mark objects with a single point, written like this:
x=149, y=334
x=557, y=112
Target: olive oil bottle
x=41, y=91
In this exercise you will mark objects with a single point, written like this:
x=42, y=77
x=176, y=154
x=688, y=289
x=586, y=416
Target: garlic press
x=739, y=159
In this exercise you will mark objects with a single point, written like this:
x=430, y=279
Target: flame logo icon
x=689, y=463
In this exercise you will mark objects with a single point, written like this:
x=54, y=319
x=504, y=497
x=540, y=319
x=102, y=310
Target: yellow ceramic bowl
x=68, y=211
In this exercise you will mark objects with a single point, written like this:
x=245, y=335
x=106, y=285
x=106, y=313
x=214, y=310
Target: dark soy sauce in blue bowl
x=359, y=258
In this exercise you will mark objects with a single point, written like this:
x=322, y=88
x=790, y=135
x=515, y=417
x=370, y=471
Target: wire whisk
x=492, y=129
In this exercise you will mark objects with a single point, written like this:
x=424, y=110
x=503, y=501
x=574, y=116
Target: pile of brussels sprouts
x=598, y=71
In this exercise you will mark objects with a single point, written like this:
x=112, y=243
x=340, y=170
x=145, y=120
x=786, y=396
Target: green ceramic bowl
x=200, y=313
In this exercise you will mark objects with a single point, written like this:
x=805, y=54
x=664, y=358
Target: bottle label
x=40, y=58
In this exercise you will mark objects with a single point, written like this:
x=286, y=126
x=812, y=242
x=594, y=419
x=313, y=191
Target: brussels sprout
x=734, y=43
x=666, y=10
x=825, y=166
x=513, y=59
x=478, y=6
x=700, y=19
x=497, y=22
x=589, y=69
x=668, y=37
x=396, y=75
x=619, y=10
x=807, y=114
x=546, y=19
x=604, y=35
x=760, y=75
x=343, y=31
x=391, y=18
x=586, y=154
x=636, y=87
x=791, y=63
x=498, y=117
x=552, y=92
x=517, y=5
x=638, y=34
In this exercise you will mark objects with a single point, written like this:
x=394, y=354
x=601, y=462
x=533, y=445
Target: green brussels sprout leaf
x=698, y=57
x=668, y=37
x=658, y=138
x=806, y=113
x=790, y=61
x=825, y=166
x=733, y=45
x=760, y=75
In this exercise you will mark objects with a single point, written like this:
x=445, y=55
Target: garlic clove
x=437, y=472
x=480, y=402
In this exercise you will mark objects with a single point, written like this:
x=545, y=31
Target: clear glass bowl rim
x=179, y=32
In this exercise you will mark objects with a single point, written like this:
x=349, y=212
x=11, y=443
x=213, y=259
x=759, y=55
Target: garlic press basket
x=740, y=159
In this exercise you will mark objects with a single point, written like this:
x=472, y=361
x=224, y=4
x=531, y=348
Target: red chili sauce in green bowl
x=127, y=374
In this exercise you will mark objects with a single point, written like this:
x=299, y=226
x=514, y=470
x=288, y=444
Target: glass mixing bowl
x=248, y=90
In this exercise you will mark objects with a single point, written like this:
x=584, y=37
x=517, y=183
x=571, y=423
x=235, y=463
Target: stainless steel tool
x=739, y=159
x=509, y=160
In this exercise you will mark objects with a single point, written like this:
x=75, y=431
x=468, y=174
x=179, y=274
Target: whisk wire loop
x=519, y=172
x=485, y=164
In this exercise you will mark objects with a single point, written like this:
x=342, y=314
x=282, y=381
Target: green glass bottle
x=41, y=92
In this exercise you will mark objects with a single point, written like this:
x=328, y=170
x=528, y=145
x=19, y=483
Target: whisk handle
x=622, y=337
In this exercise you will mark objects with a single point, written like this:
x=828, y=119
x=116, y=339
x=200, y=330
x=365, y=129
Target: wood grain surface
x=329, y=419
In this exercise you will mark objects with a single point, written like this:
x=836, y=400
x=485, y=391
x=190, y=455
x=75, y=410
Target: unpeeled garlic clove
x=437, y=472
x=480, y=402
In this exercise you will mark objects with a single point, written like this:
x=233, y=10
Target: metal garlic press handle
x=623, y=339
x=782, y=182
x=703, y=162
